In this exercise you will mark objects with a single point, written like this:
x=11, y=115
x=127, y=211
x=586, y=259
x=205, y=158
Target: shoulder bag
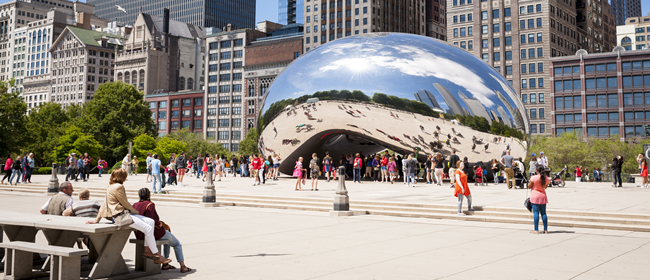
x=122, y=219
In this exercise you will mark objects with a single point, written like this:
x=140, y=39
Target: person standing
x=409, y=165
x=617, y=167
x=181, y=164
x=134, y=165
x=327, y=166
x=154, y=166
x=579, y=174
x=57, y=204
x=255, y=163
x=453, y=160
x=462, y=189
x=495, y=171
x=358, y=163
x=100, y=166
x=427, y=168
x=72, y=167
x=507, y=160
x=532, y=165
x=87, y=162
x=375, y=168
x=392, y=169
x=543, y=161
x=218, y=167
x=81, y=167
x=439, y=168
x=30, y=168
x=315, y=169
x=298, y=173
x=235, y=161
x=639, y=157
x=538, y=199
x=7, y=169
x=147, y=162
x=16, y=170
x=118, y=203
x=384, y=168
x=199, y=166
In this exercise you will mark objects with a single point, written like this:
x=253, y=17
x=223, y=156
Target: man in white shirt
x=542, y=160
x=59, y=202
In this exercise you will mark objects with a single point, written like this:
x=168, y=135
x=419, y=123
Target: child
x=298, y=172
x=392, y=169
x=172, y=175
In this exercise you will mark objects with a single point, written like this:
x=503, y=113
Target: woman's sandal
x=168, y=267
x=150, y=256
x=158, y=261
x=185, y=269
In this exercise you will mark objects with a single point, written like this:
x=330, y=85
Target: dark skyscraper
x=450, y=99
x=206, y=13
x=426, y=97
x=290, y=11
x=623, y=9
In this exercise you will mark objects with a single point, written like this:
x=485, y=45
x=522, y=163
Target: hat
x=73, y=154
x=534, y=154
x=541, y=153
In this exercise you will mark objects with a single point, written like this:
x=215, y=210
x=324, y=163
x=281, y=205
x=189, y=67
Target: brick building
x=436, y=19
x=601, y=95
x=173, y=111
x=265, y=59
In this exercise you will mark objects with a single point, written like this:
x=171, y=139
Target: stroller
x=479, y=177
x=521, y=181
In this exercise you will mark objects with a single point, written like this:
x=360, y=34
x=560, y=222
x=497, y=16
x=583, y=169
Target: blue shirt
x=155, y=166
x=149, y=160
x=80, y=163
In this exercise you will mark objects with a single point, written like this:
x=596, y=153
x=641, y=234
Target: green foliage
x=197, y=144
x=12, y=119
x=248, y=146
x=42, y=170
x=45, y=124
x=143, y=144
x=166, y=146
x=572, y=150
x=117, y=165
x=75, y=141
x=116, y=115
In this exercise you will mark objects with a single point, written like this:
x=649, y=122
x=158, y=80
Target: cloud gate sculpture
x=392, y=91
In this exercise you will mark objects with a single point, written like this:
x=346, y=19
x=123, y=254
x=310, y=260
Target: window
x=533, y=113
x=531, y=38
x=508, y=69
x=507, y=26
x=540, y=52
x=524, y=98
x=486, y=57
x=524, y=83
x=539, y=37
x=495, y=13
x=225, y=55
x=522, y=24
x=522, y=39
x=531, y=53
x=462, y=31
x=223, y=135
x=508, y=55
x=539, y=22
x=523, y=53
x=469, y=30
x=162, y=114
x=236, y=135
x=497, y=56
x=198, y=124
x=540, y=82
x=224, y=88
x=533, y=127
x=506, y=12
x=455, y=32
x=539, y=7
x=236, y=110
x=531, y=83
x=224, y=122
x=224, y=111
x=484, y=15
x=542, y=127
x=523, y=68
x=508, y=41
x=484, y=43
x=198, y=101
x=496, y=42
x=484, y=29
x=162, y=125
x=541, y=97
x=495, y=28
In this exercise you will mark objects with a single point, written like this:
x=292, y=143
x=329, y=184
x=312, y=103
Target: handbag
x=121, y=220
x=528, y=205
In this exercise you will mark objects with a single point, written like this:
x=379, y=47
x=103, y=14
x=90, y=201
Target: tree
x=248, y=146
x=45, y=124
x=116, y=115
x=197, y=144
x=166, y=146
x=143, y=144
x=12, y=119
x=75, y=141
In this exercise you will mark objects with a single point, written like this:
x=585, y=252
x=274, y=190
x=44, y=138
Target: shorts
x=148, y=171
x=392, y=172
x=314, y=174
x=384, y=168
x=276, y=165
x=328, y=168
x=181, y=171
x=256, y=173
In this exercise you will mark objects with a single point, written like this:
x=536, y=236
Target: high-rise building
x=328, y=20
x=81, y=60
x=206, y=13
x=426, y=97
x=602, y=95
x=518, y=37
x=450, y=100
x=475, y=107
x=635, y=34
x=290, y=11
x=436, y=19
x=624, y=9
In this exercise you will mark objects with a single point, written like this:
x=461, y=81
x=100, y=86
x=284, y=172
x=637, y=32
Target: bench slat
x=158, y=242
x=44, y=249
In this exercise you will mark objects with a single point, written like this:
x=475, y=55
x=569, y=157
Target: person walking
x=276, y=166
x=538, y=199
x=453, y=161
x=147, y=162
x=439, y=168
x=358, y=163
x=29, y=162
x=298, y=173
x=617, y=166
x=16, y=170
x=384, y=168
x=644, y=172
x=262, y=167
x=327, y=166
x=495, y=171
x=71, y=162
x=87, y=163
x=199, y=166
x=255, y=164
x=315, y=169
x=7, y=168
x=375, y=169
x=154, y=167
x=392, y=169
x=410, y=165
x=532, y=165
x=217, y=168
x=507, y=160
x=161, y=230
x=427, y=168
x=578, y=174
x=81, y=167
x=117, y=203
x=462, y=189
x=101, y=165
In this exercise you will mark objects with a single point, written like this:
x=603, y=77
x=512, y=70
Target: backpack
x=356, y=162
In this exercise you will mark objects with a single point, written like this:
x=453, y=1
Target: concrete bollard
x=341, y=200
x=209, y=194
x=53, y=186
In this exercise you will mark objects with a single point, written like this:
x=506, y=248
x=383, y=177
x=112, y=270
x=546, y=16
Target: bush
x=43, y=170
x=115, y=166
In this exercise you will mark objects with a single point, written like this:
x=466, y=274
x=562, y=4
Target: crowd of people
x=20, y=167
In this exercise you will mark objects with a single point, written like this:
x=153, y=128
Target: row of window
x=226, y=44
x=332, y=4
x=224, y=100
x=532, y=83
x=641, y=29
x=224, y=122
x=531, y=67
x=187, y=102
x=603, y=67
x=542, y=128
x=639, y=116
x=533, y=113
x=603, y=131
x=532, y=98
x=224, y=88
x=226, y=55
x=602, y=101
x=224, y=135
x=637, y=81
x=463, y=18
x=198, y=124
x=225, y=66
x=224, y=111
x=175, y=114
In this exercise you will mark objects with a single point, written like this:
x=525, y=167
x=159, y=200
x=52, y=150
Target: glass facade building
x=290, y=11
x=205, y=13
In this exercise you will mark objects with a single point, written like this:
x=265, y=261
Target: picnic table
x=107, y=241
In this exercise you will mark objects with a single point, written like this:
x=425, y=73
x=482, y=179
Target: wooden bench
x=65, y=264
x=142, y=263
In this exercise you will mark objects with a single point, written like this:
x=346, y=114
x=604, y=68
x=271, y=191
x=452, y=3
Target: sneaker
x=462, y=214
x=408, y=185
x=471, y=209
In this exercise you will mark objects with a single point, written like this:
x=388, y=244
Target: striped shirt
x=85, y=208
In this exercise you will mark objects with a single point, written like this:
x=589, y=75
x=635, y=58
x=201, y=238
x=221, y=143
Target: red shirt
x=148, y=209
x=384, y=161
x=256, y=164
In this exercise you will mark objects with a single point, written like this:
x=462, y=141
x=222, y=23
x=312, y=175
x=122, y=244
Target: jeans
x=539, y=209
x=28, y=175
x=19, y=174
x=173, y=242
x=146, y=226
x=70, y=174
x=357, y=175
x=460, y=202
x=100, y=172
x=81, y=174
x=616, y=176
x=156, y=178
x=496, y=177
x=409, y=178
x=198, y=173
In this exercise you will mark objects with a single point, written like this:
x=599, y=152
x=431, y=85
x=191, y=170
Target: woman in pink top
x=7, y=169
x=392, y=169
x=538, y=198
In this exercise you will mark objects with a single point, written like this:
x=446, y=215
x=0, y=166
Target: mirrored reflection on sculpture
x=390, y=91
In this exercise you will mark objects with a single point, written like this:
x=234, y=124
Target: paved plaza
x=252, y=243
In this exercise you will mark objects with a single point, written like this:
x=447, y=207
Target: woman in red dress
x=644, y=172
x=462, y=189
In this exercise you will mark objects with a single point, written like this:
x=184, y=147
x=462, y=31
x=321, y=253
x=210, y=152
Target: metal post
x=209, y=194
x=341, y=200
x=53, y=186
